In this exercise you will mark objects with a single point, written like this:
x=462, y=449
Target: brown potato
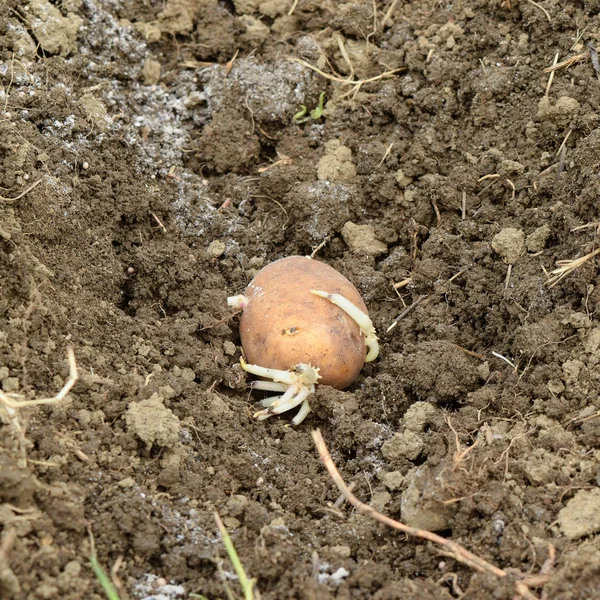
x=284, y=324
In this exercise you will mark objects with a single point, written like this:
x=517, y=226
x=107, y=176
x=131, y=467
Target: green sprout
x=315, y=113
x=105, y=582
x=247, y=584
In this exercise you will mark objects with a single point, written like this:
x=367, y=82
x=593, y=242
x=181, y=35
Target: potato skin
x=285, y=324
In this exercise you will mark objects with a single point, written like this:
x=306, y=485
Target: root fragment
x=10, y=404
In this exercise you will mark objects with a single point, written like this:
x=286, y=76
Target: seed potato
x=284, y=323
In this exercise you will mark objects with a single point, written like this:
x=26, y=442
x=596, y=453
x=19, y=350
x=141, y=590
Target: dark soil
x=168, y=173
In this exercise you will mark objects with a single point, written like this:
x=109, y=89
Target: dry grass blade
x=565, y=267
x=338, y=79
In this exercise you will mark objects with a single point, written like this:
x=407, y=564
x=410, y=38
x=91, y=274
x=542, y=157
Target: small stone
x=403, y=445
x=246, y=6
x=380, y=499
x=231, y=522
x=562, y=110
x=149, y=31
x=187, y=374
x=393, y=480
x=361, y=239
x=419, y=415
x=46, y=592
x=166, y=392
x=541, y=467
x=153, y=422
x=581, y=517
x=571, y=370
x=592, y=343
x=510, y=167
x=256, y=30
x=23, y=46
x=523, y=42
x=578, y=320
x=403, y=180
x=419, y=510
x=72, y=568
x=229, y=348
x=4, y=373
x=555, y=386
x=95, y=111
x=54, y=32
x=483, y=370
x=128, y=482
x=144, y=350
x=537, y=240
x=151, y=71
x=273, y=8
x=285, y=25
x=216, y=248
x=236, y=505
x=336, y=164
x=330, y=168
x=10, y=385
x=566, y=105
x=510, y=244
x=340, y=551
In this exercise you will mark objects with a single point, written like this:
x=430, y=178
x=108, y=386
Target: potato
x=283, y=324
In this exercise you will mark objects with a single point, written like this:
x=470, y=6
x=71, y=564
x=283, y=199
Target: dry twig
x=457, y=550
x=452, y=549
x=405, y=312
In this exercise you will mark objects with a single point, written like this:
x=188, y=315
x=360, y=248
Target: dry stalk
x=293, y=8
x=551, y=76
x=402, y=284
x=405, y=312
x=565, y=267
x=420, y=299
x=450, y=547
x=568, y=62
x=388, y=14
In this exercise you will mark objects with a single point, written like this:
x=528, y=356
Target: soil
x=151, y=165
